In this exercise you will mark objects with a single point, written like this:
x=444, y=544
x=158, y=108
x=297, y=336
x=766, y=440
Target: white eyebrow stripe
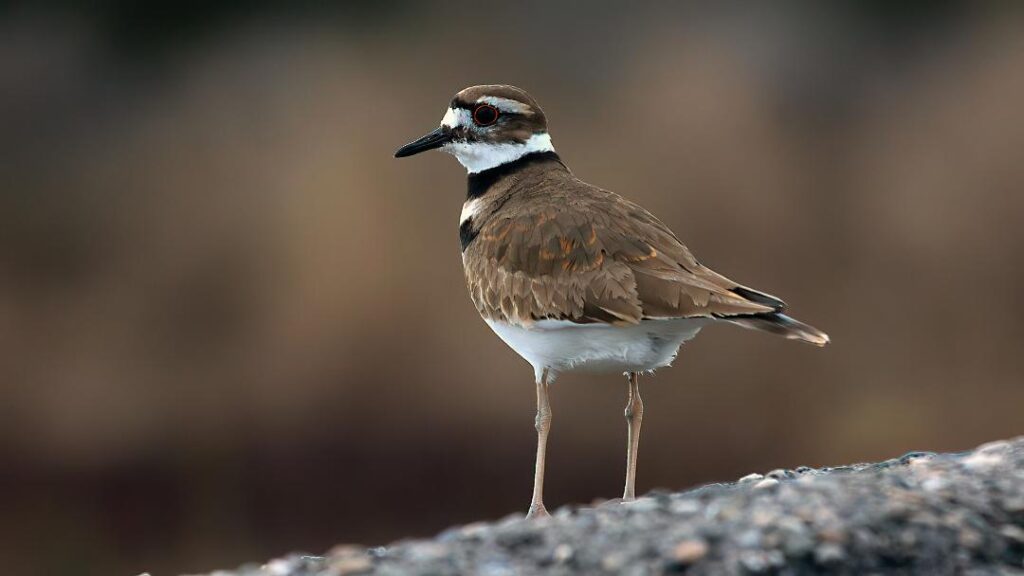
x=455, y=117
x=506, y=104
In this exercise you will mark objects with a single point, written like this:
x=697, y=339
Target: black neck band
x=480, y=182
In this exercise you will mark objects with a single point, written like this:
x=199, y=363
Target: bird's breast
x=568, y=346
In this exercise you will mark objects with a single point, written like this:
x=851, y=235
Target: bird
x=572, y=277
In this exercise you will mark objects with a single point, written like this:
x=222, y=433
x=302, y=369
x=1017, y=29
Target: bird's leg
x=634, y=414
x=543, y=423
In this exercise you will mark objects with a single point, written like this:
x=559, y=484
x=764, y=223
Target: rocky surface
x=920, y=514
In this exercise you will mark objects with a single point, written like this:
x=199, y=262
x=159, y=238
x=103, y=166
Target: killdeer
x=573, y=277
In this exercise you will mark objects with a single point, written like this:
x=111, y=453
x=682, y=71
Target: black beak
x=435, y=139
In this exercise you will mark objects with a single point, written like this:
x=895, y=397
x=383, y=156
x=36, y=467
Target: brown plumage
x=549, y=246
x=571, y=276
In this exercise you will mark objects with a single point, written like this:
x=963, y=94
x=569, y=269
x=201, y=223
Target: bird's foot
x=537, y=510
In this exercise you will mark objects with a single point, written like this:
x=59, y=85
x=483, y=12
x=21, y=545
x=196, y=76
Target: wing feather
x=587, y=255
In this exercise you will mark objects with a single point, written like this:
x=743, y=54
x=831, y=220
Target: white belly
x=562, y=346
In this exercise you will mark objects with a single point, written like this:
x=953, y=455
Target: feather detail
x=784, y=326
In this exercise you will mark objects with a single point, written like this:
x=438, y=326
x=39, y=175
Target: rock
x=922, y=513
x=689, y=551
x=829, y=553
x=350, y=566
x=563, y=553
x=766, y=483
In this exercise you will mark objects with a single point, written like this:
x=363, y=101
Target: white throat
x=480, y=156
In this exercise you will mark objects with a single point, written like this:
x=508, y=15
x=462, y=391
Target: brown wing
x=593, y=257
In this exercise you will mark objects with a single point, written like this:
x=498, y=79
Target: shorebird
x=573, y=277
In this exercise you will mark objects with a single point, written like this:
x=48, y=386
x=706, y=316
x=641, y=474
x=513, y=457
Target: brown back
x=546, y=245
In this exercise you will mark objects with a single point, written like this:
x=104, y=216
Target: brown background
x=233, y=326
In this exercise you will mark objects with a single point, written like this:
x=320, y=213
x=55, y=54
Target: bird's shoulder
x=571, y=250
x=574, y=224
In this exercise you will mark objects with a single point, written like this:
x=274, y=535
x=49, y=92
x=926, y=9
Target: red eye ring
x=485, y=115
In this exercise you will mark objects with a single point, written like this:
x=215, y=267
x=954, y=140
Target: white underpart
x=469, y=209
x=480, y=156
x=563, y=346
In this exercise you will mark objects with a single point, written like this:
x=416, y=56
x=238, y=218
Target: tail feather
x=778, y=323
x=759, y=298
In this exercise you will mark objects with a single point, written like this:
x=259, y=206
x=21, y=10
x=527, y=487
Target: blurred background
x=233, y=326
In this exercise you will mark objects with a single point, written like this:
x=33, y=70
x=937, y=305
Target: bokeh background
x=233, y=326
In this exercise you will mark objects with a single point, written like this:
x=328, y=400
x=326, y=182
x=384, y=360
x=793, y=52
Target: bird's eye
x=485, y=115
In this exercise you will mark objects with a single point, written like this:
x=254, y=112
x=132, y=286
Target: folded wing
x=595, y=257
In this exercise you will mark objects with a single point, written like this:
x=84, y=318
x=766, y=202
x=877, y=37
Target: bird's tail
x=778, y=323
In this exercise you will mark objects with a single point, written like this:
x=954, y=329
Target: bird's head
x=487, y=126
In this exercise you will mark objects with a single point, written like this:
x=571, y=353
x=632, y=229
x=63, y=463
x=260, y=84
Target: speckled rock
x=922, y=513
